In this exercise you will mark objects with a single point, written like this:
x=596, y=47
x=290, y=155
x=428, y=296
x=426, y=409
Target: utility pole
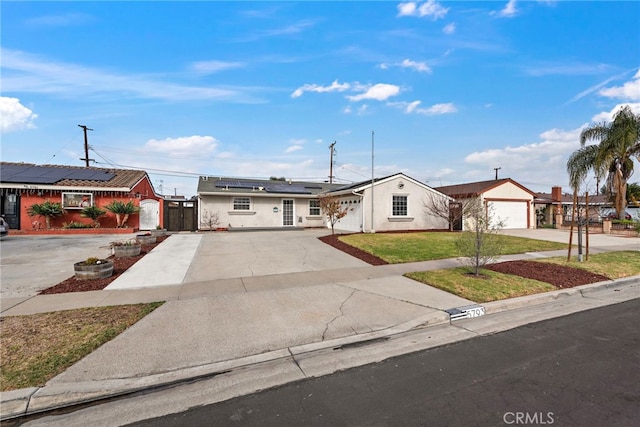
x=373, y=229
x=496, y=169
x=86, y=146
x=331, y=147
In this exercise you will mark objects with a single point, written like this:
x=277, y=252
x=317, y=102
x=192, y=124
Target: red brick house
x=24, y=184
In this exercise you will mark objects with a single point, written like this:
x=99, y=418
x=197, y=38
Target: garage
x=353, y=220
x=507, y=200
x=513, y=214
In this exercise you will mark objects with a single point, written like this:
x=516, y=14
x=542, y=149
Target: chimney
x=556, y=194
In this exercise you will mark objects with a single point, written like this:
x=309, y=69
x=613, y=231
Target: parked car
x=4, y=227
x=614, y=215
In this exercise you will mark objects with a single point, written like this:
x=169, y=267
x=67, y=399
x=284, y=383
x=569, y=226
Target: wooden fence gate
x=181, y=215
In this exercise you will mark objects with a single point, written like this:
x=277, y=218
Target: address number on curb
x=466, y=312
x=476, y=311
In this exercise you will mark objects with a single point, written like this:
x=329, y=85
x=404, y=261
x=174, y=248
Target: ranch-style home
x=504, y=199
x=24, y=184
x=396, y=203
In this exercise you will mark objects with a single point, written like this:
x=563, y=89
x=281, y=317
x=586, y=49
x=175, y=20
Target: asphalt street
x=577, y=370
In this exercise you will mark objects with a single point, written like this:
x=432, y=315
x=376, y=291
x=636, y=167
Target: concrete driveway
x=263, y=253
x=33, y=263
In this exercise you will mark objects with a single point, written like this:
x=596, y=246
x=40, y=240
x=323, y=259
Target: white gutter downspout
x=361, y=204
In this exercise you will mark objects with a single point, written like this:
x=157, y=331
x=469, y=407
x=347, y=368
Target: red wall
x=143, y=190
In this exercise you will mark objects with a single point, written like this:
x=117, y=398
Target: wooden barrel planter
x=159, y=232
x=126, y=251
x=93, y=271
x=145, y=240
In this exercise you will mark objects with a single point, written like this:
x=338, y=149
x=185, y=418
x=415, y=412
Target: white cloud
x=35, y=74
x=408, y=63
x=60, y=20
x=449, y=28
x=607, y=116
x=417, y=66
x=333, y=87
x=430, y=8
x=509, y=11
x=296, y=145
x=435, y=109
x=542, y=162
x=378, y=92
x=195, y=145
x=293, y=148
x=630, y=90
x=210, y=67
x=15, y=116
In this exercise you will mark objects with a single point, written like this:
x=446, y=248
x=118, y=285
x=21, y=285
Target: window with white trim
x=241, y=203
x=399, y=206
x=314, y=207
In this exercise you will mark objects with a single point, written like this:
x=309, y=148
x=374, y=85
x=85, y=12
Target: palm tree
x=619, y=142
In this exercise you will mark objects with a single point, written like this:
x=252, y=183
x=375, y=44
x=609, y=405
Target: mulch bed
x=558, y=275
x=120, y=265
x=332, y=240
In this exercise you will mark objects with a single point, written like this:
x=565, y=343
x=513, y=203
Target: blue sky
x=451, y=90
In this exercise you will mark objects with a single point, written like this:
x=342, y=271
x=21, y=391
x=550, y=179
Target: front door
x=10, y=209
x=287, y=212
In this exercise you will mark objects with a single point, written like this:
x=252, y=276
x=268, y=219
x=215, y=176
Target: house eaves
x=474, y=189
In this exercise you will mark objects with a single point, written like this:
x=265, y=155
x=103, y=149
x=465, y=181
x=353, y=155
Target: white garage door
x=353, y=220
x=514, y=214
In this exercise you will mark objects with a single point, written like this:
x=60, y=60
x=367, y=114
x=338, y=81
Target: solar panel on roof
x=223, y=183
x=30, y=174
x=287, y=188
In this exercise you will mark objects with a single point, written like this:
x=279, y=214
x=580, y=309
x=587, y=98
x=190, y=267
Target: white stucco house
x=505, y=199
x=396, y=203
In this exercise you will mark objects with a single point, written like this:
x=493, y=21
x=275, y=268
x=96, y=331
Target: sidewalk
x=212, y=326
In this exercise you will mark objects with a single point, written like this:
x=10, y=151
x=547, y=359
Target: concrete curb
x=530, y=300
x=35, y=400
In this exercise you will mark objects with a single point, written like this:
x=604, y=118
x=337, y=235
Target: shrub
x=47, y=209
x=74, y=224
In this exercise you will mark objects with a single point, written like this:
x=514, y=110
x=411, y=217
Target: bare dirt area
x=559, y=276
x=120, y=265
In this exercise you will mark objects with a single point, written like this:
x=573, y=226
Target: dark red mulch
x=332, y=239
x=120, y=265
x=558, y=275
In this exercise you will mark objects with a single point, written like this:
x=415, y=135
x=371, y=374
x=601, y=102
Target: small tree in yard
x=94, y=213
x=330, y=206
x=451, y=211
x=479, y=246
x=47, y=209
x=210, y=220
x=122, y=211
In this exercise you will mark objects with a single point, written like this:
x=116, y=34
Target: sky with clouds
x=444, y=91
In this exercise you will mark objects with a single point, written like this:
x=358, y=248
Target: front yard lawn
x=396, y=248
x=490, y=286
x=37, y=347
x=615, y=265
x=496, y=286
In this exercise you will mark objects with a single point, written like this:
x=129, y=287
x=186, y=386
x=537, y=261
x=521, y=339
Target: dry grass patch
x=614, y=265
x=36, y=348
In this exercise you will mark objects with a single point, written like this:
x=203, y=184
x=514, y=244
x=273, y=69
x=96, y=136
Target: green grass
x=36, y=348
x=614, y=265
x=490, y=286
x=396, y=248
